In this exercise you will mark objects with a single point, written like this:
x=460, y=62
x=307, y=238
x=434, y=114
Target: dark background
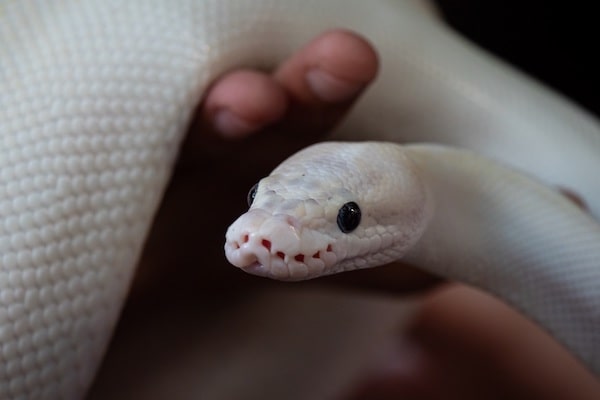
x=555, y=41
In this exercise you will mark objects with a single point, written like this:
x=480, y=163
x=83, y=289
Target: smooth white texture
x=94, y=99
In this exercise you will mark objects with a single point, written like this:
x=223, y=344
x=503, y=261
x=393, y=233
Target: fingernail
x=330, y=88
x=229, y=124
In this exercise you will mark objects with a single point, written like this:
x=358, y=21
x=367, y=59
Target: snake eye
x=252, y=194
x=348, y=217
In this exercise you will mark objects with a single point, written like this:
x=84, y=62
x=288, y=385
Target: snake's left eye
x=348, y=217
x=252, y=194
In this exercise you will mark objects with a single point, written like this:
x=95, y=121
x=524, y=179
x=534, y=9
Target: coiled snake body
x=95, y=97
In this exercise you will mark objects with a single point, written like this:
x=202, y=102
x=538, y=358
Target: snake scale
x=95, y=97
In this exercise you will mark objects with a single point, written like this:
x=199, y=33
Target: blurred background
x=556, y=42
x=212, y=332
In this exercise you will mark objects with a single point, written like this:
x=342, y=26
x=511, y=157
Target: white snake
x=94, y=101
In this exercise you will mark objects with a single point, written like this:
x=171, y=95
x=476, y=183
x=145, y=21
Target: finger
x=243, y=102
x=465, y=344
x=325, y=77
x=321, y=81
x=476, y=338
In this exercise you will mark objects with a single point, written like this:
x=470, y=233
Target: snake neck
x=516, y=239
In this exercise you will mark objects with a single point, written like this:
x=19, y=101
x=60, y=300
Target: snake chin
x=255, y=268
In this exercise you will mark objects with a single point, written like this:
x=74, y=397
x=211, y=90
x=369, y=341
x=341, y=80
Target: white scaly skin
x=296, y=207
x=445, y=210
x=94, y=100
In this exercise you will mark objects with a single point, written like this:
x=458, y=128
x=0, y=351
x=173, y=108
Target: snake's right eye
x=348, y=217
x=252, y=194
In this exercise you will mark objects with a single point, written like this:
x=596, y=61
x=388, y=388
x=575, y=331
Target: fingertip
x=335, y=67
x=231, y=125
x=330, y=88
x=347, y=55
x=244, y=102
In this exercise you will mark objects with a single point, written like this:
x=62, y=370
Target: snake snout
x=275, y=246
x=259, y=242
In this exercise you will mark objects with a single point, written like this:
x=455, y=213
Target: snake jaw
x=277, y=246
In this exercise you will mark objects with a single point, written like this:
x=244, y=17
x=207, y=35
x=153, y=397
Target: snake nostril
x=281, y=255
x=299, y=257
x=329, y=248
x=236, y=245
x=266, y=244
x=316, y=255
x=245, y=238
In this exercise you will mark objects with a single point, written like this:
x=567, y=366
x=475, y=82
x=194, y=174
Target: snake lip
x=254, y=267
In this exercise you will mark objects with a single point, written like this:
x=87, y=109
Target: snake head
x=329, y=208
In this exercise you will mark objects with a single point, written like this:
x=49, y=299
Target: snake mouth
x=278, y=247
x=259, y=256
